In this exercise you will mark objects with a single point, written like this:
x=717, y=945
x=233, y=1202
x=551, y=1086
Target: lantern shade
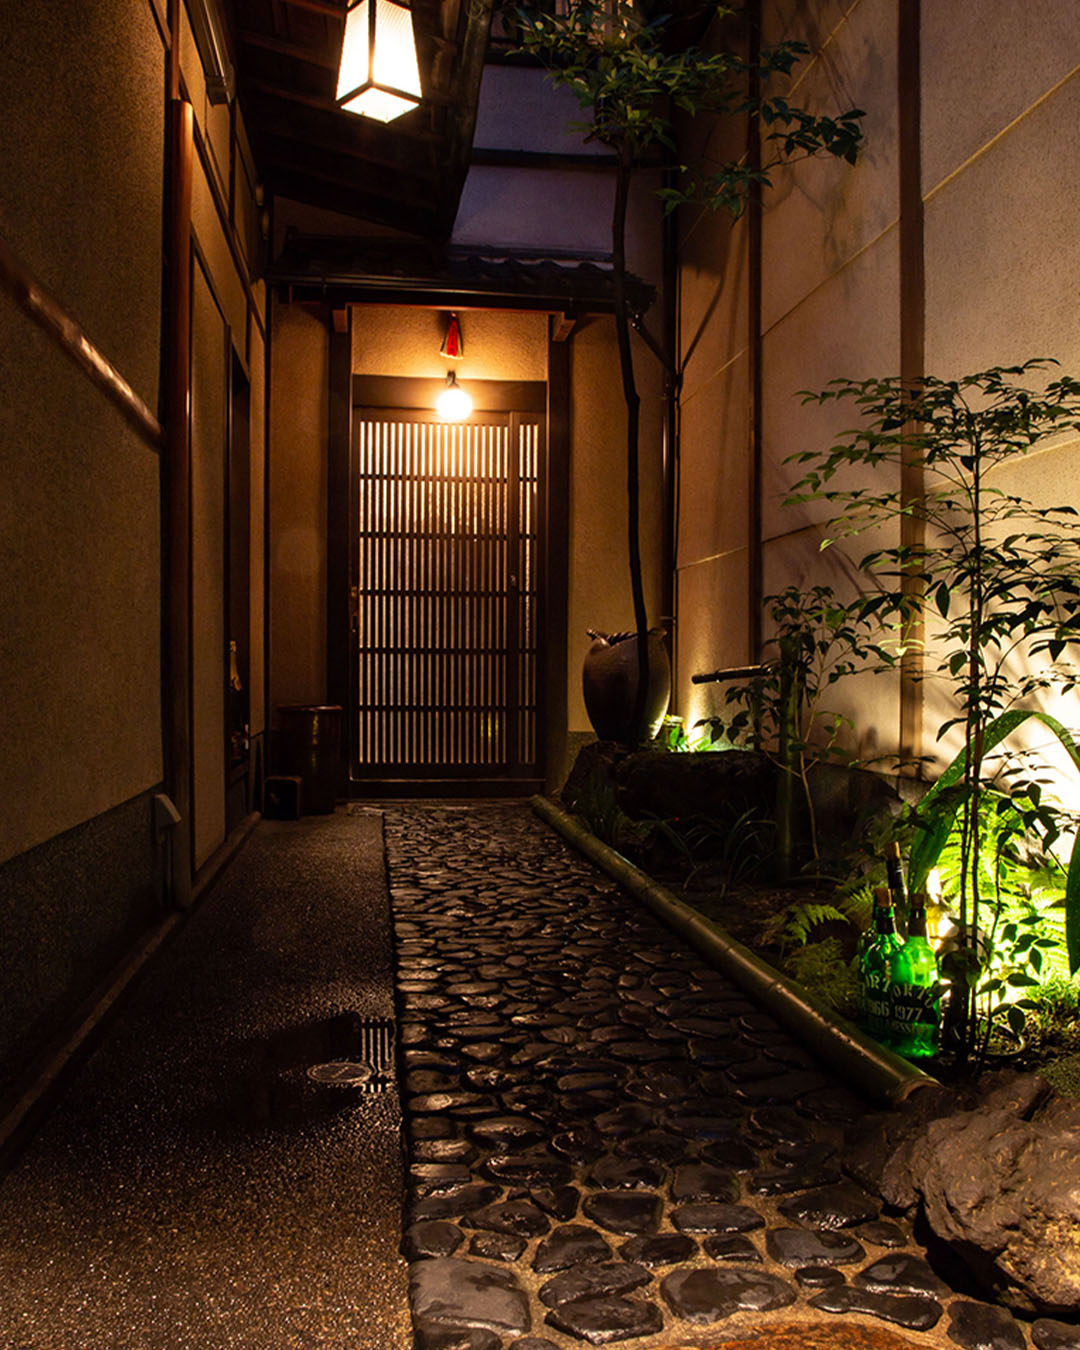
x=379, y=75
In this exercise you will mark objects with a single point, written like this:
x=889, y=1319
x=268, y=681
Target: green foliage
x=997, y=582
x=821, y=968
x=800, y=921
x=817, y=640
x=632, y=84
x=728, y=851
x=1054, y=1013
x=806, y=922
x=673, y=738
x=597, y=803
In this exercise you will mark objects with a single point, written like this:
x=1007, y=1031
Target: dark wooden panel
x=387, y=391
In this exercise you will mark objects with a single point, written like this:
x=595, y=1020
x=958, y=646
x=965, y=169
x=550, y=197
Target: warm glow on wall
x=453, y=404
x=379, y=75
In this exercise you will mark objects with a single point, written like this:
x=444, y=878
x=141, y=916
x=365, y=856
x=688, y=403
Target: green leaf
x=937, y=812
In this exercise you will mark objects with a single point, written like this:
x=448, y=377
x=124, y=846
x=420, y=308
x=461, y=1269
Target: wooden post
x=176, y=486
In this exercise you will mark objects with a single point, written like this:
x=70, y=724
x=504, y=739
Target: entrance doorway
x=446, y=562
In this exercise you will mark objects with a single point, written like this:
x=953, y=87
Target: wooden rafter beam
x=290, y=49
x=318, y=7
x=415, y=197
x=276, y=119
x=414, y=185
x=355, y=201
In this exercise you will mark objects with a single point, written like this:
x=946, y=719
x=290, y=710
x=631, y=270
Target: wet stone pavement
x=607, y=1141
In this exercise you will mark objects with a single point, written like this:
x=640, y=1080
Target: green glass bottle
x=916, y=988
x=894, y=871
x=875, y=970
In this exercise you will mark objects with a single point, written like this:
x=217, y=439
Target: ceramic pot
x=609, y=680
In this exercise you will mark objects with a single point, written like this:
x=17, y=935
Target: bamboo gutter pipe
x=881, y=1075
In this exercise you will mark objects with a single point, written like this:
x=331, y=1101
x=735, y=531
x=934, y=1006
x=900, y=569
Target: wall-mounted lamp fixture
x=453, y=404
x=379, y=75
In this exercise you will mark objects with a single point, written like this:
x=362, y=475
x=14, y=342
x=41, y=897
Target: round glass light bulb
x=453, y=404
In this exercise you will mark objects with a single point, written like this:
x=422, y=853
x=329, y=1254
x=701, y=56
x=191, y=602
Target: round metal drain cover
x=341, y=1073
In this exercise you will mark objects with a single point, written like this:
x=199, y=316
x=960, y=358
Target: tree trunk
x=633, y=475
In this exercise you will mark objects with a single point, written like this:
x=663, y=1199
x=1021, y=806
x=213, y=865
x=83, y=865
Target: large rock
x=1004, y=1191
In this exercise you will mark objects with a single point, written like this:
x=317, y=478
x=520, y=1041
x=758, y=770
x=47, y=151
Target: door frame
x=551, y=398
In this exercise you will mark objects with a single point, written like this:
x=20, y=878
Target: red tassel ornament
x=452, y=347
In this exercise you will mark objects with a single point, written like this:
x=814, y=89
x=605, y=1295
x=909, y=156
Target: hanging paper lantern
x=452, y=342
x=378, y=76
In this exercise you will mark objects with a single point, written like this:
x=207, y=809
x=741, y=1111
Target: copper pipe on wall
x=756, y=560
x=176, y=487
x=47, y=312
x=912, y=351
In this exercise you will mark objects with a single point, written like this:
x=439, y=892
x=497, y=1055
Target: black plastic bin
x=309, y=748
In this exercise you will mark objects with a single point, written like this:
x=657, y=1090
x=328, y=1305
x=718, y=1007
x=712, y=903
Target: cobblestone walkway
x=608, y=1143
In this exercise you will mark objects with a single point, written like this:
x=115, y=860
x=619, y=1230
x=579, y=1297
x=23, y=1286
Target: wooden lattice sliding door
x=447, y=567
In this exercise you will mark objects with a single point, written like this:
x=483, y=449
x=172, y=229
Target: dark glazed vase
x=609, y=680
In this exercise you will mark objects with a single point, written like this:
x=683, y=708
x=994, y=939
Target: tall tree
x=636, y=81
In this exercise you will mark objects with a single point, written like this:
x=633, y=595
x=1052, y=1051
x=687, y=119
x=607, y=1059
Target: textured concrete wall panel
x=225, y=279
x=191, y=70
x=984, y=65
x=497, y=344
x=298, y=419
x=713, y=298
x=80, y=579
x=712, y=629
x=848, y=328
x=1003, y=251
x=820, y=212
x=809, y=21
x=714, y=512
x=81, y=89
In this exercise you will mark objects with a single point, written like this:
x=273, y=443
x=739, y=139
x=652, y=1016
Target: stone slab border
x=883, y=1076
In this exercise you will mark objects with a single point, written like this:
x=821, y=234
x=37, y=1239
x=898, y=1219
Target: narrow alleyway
x=606, y=1143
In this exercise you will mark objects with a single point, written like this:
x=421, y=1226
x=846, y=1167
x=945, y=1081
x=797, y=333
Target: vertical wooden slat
x=447, y=668
x=512, y=687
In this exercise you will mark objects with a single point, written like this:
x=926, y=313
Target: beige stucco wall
x=80, y=204
x=1002, y=247
x=296, y=493
x=398, y=340
x=829, y=308
x=1000, y=103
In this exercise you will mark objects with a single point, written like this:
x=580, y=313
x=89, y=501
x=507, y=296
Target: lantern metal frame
x=410, y=98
